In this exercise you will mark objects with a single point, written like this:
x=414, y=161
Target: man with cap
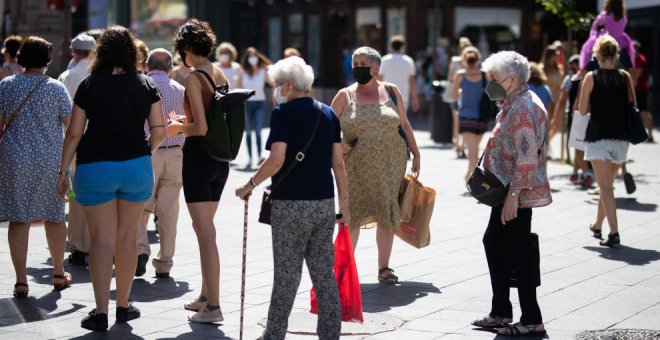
x=167, y=164
x=82, y=47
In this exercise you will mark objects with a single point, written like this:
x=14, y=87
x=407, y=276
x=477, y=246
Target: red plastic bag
x=348, y=282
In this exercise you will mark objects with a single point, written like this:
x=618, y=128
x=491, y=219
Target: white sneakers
x=203, y=315
x=206, y=316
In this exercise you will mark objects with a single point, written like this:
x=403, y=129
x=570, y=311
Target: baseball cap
x=574, y=59
x=83, y=42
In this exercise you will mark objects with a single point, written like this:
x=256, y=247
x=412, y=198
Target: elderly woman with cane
x=303, y=205
x=515, y=155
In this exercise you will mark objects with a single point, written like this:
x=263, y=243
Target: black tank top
x=572, y=94
x=608, y=101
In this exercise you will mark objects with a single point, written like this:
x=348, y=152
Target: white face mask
x=224, y=58
x=253, y=60
x=279, y=98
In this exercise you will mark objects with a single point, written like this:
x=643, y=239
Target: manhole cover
x=619, y=334
x=305, y=323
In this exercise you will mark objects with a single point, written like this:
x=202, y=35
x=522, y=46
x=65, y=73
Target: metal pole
x=65, y=54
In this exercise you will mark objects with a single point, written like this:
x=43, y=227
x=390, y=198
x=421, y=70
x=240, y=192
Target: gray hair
x=508, y=63
x=159, y=59
x=370, y=53
x=295, y=70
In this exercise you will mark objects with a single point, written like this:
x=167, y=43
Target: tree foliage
x=574, y=20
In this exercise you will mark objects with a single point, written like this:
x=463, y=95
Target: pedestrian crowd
x=135, y=123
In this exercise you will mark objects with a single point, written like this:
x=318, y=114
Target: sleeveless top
x=255, y=82
x=470, y=98
x=608, y=101
x=376, y=164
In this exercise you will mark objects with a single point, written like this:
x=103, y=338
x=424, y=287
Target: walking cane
x=245, y=227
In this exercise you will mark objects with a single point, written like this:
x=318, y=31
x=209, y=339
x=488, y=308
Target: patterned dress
x=376, y=164
x=31, y=149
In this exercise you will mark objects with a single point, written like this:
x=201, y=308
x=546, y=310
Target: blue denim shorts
x=100, y=182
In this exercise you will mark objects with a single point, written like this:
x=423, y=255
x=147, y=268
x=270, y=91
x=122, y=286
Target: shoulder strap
x=14, y=114
x=301, y=155
x=390, y=92
x=207, y=76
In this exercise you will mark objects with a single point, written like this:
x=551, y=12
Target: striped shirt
x=172, y=93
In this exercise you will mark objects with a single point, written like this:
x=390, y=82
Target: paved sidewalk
x=443, y=287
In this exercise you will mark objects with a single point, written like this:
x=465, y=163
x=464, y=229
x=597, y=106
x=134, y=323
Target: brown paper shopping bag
x=416, y=203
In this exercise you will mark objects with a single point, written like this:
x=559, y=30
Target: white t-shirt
x=74, y=76
x=397, y=68
x=255, y=82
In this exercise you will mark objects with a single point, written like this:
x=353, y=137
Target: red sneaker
x=575, y=179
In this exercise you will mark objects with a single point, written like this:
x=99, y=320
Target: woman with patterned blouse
x=515, y=155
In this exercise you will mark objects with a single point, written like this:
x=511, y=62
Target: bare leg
x=647, y=118
x=128, y=222
x=472, y=142
x=56, y=237
x=355, y=234
x=102, y=224
x=18, y=236
x=605, y=174
x=202, y=214
x=384, y=241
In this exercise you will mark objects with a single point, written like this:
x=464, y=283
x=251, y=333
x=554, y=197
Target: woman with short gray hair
x=515, y=155
x=303, y=206
x=375, y=127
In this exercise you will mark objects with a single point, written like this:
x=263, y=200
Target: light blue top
x=543, y=92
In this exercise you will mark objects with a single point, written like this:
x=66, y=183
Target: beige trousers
x=167, y=163
x=77, y=231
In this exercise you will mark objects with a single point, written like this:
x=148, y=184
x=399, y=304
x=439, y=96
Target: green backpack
x=226, y=121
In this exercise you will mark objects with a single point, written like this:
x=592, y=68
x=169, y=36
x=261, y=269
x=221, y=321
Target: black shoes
x=612, y=240
x=95, y=322
x=141, y=264
x=129, y=313
x=77, y=258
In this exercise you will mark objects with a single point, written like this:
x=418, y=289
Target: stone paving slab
x=443, y=286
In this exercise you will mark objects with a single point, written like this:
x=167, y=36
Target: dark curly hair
x=196, y=36
x=116, y=48
x=35, y=52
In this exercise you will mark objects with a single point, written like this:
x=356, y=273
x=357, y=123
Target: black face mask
x=362, y=74
x=183, y=58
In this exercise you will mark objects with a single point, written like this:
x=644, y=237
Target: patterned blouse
x=515, y=153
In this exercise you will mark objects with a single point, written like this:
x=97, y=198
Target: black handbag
x=267, y=198
x=535, y=262
x=486, y=187
x=635, y=131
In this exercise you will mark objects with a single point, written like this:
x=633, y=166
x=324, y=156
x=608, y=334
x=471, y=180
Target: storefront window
x=368, y=26
x=314, y=42
x=396, y=22
x=275, y=38
x=489, y=29
x=295, y=36
x=156, y=21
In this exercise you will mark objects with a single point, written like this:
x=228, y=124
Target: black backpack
x=487, y=109
x=226, y=121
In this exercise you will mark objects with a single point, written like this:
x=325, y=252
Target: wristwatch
x=252, y=182
x=514, y=194
x=63, y=173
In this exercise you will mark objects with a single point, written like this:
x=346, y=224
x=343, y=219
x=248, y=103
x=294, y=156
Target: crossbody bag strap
x=391, y=94
x=14, y=114
x=300, y=155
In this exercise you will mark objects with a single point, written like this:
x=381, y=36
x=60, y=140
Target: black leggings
x=507, y=247
x=203, y=178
